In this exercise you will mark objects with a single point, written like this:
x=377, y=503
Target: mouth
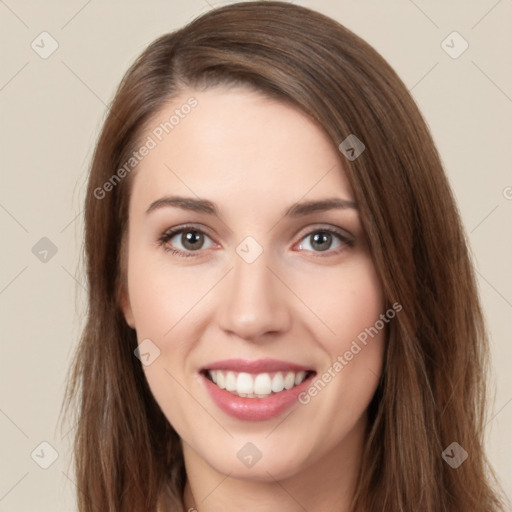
x=259, y=385
x=255, y=390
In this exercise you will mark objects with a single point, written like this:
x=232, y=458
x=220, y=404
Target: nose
x=253, y=302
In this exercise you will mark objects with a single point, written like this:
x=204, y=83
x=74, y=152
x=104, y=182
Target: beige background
x=51, y=112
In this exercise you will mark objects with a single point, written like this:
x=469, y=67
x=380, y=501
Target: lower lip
x=255, y=409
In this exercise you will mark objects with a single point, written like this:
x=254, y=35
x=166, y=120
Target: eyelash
x=169, y=234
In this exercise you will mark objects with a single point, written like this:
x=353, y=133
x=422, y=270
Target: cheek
x=352, y=306
x=160, y=295
x=349, y=302
x=161, y=300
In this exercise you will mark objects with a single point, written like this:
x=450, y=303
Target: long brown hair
x=432, y=391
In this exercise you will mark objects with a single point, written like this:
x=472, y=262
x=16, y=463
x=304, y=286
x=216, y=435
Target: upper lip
x=257, y=366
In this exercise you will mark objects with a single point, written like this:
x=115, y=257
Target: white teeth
x=261, y=385
x=221, y=380
x=230, y=381
x=289, y=380
x=244, y=384
x=278, y=382
x=299, y=377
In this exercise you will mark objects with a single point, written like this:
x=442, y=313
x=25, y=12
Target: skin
x=254, y=157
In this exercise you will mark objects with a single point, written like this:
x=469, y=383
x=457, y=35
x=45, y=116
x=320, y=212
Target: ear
x=126, y=308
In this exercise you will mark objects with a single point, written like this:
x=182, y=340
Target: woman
x=282, y=310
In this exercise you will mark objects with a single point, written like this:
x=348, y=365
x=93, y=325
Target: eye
x=321, y=241
x=187, y=241
x=190, y=238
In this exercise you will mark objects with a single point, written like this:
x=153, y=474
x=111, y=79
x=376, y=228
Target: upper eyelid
x=178, y=229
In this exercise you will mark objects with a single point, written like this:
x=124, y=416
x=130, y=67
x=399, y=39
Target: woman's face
x=269, y=290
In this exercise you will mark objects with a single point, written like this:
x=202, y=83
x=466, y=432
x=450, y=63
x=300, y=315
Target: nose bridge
x=254, y=301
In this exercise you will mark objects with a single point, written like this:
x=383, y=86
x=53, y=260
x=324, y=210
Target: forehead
x=240, y=147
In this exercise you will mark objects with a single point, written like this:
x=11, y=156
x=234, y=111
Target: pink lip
x=254, y=409
x=259, y=366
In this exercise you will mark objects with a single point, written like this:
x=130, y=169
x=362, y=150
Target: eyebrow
x=299, y=209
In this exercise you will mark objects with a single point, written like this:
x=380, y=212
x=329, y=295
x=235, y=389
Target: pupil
x=323, y=239
x=191, y=239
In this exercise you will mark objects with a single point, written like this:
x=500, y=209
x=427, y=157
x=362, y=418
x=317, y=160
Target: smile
x=255, y=390
x=261, y=385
